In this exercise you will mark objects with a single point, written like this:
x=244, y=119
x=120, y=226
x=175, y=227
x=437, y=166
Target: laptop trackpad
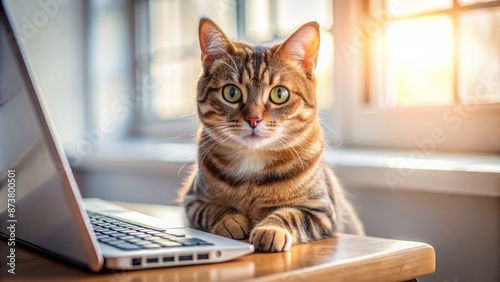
x=112, y=210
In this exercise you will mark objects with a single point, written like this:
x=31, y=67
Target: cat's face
x=255, y=96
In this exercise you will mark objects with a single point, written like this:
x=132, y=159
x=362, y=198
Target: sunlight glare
x=419, y=58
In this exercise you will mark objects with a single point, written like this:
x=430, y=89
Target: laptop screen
x=38, y=198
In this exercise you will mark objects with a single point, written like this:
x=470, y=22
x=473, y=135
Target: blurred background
x=409, y=94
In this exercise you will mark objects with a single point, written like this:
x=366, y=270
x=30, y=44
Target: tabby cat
x=259, y=170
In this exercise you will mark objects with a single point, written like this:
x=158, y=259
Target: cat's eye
x=231, y=93
x=279, y=95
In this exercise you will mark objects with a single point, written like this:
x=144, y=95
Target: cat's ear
x=302, y=47
x=213, y=42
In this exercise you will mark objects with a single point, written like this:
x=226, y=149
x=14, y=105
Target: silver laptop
x=41, y=206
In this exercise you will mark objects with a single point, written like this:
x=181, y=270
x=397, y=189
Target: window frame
x=142, y=125
x=458, y=127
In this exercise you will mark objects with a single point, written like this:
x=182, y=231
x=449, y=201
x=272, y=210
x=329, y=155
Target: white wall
x=53, y=32
x=464, y=230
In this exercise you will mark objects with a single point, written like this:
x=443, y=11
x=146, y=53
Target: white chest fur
x=247, y=163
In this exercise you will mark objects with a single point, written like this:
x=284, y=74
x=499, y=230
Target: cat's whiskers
x=193, y=115
x=296, y=142
x=235, y=70
x=217, y=141
x=303, y=142
x=231, y=58
x=211, y=141
x=334, y=133
x=304, y=151
x=290, y=148
x=180, y=169
x=189, y=127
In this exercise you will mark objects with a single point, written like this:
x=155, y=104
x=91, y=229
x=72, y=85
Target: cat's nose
x=253, y=121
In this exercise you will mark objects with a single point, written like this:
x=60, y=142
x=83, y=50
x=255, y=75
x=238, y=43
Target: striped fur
x=267, y=183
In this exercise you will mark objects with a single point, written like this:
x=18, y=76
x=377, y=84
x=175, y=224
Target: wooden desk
x=344, y=258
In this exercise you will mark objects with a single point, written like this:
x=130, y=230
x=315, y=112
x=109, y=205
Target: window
x=169, y=62
x=426, y=68
x=435, y=52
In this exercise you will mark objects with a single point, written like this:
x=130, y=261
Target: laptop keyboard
x=127, y=236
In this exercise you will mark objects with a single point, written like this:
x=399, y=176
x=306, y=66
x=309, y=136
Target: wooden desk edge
x=409, y=260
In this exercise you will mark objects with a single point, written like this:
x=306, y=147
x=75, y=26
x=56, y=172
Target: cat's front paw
x=271, y=239
x=235, y=226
